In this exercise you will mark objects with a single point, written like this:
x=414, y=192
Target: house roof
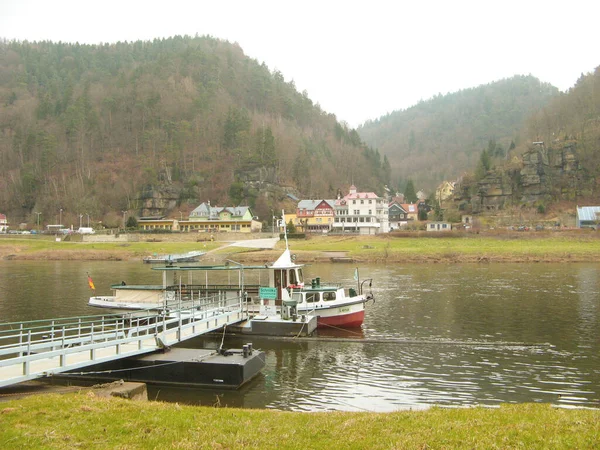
x=588, y=213
x=396, y=205
x=2, y=216
x=206, y=210
x=410, y=207
x=310, y=205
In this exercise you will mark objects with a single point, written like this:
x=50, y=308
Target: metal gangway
x=41, y=348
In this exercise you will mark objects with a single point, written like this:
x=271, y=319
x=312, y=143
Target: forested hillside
x=573, y=118
x=98, y=129
x=557, y=162
x=441, y=138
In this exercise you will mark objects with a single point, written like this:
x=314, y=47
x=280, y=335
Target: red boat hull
x=352, y=320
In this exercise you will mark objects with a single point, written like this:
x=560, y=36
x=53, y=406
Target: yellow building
x=215, y=219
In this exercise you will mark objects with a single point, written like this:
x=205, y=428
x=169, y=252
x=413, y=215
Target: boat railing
x=191, y=291
x=193, y=299
x=322, y=285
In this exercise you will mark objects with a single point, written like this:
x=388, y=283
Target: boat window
x=312, y=297
x=328, y=296
x=297, y=296
x=293, y=280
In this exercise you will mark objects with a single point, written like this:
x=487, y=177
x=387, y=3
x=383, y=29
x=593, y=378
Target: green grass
x=424, y=247
x=518, y=247
x=34, y=246
x=85, y=421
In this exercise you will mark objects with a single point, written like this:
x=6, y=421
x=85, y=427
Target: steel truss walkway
x=41, y=348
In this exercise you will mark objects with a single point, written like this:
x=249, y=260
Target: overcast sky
x=358, y=60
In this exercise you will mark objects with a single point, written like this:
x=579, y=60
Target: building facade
x=439, y=226
x=314, y=216
x=397, y=215
x=588, y=217
x=216, y=219
x=361, y=213
x=3, y=224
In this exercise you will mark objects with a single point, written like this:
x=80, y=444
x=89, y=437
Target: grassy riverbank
x=85, y=421
x=576, y=246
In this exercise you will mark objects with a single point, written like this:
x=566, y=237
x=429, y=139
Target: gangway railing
x=40, y=348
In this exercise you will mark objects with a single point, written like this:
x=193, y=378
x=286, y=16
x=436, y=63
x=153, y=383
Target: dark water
x=452, y=335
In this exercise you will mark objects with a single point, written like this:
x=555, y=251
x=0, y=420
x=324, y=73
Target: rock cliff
x=540, y=175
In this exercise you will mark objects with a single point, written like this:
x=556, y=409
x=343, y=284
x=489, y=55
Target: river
x=448, y=335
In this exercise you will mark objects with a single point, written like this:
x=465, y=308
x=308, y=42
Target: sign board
x=269, y=293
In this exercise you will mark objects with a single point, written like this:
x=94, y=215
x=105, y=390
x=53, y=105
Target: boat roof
x=215, y=267
x=285, y=261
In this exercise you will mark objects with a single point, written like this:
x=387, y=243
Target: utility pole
x=80, y=218
x=38, y=220
x=124, y=214
x=60, y=217
x=88, y=217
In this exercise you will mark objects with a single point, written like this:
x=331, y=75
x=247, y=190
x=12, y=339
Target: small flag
x=356, y=274
x=91, y=283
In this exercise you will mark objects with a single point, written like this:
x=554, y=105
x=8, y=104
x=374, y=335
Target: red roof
x=2, y=216
x=410, y=207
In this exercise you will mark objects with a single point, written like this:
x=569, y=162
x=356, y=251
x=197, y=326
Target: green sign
x=269, y=293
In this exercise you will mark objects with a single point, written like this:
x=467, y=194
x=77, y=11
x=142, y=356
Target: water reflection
x=449, y=335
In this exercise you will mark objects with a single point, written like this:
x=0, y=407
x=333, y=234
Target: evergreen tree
x=409, y=192
x=291, y=228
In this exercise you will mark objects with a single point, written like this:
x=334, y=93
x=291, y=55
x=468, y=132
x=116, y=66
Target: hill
x=157, y=127
x=440, y=138
x=556, y=164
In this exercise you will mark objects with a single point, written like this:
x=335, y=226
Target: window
x=370, y=201
x=312, y=297
x=298, y=297
x=362, y=202
x=328, y=296
x=370, y=212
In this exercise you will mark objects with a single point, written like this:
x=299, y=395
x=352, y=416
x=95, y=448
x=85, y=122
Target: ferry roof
x=215, y=267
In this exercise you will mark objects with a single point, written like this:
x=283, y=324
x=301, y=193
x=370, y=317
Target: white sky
x=358, y=60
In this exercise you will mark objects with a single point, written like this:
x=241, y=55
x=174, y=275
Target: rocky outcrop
x=158, y=201
x=539, y=176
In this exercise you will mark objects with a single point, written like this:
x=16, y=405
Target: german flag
x=91, y=283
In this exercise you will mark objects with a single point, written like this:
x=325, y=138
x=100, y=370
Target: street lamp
x=88, y=217
x=124, y=214
x=60, y=217
x=80, y=217
x=38, y=220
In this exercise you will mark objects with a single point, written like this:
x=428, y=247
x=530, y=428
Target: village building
x=421, y=196
x=215, y=219
x=3, y=224
x=412, y=211
x=361, y=212
x=439, y=226
x=588, y=217
x=157, y=224
x=397, y=215
x=314, y=216
x=444, y=191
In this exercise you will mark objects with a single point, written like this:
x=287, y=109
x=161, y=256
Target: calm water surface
x=451, y=335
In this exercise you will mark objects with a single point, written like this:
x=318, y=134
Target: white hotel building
x=361, y=213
